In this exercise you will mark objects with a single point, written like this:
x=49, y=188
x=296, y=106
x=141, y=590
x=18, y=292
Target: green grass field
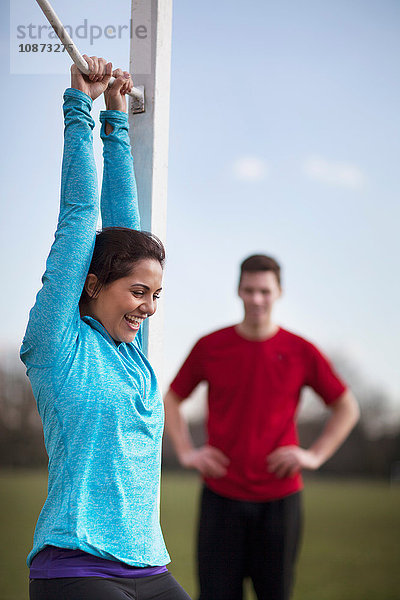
x=351, y=545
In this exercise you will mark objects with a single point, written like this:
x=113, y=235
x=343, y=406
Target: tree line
x=372, y=449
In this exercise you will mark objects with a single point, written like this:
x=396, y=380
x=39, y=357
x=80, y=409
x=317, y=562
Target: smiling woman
x=124, y=280
x=98, y=534
x=122, y=306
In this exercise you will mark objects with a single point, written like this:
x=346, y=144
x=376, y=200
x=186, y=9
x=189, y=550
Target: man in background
x=250, y=518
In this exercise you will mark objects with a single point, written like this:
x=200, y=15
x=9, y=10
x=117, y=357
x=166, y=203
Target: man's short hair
x=260, y=262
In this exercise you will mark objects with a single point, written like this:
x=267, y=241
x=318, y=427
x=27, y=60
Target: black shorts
x=160, y=587
x=240, y=539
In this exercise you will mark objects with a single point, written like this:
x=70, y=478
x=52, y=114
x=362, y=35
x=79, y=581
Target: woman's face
x=122, y=306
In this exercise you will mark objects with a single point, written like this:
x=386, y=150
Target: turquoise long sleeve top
x=99, y=401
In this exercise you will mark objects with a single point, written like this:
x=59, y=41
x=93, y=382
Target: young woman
x=98, y=535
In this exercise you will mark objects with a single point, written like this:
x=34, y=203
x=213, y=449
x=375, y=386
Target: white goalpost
x=150, y=62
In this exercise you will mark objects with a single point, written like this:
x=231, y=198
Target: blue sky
x=284, y=139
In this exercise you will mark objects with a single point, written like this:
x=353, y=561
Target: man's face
x=259, y=291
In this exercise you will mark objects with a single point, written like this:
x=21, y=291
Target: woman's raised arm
x=54, y=319
x=119, y=207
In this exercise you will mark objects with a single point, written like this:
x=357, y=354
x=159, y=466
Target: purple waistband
x=54, y=562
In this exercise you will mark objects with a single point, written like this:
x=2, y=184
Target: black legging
x=240, y=539
x=160, y=587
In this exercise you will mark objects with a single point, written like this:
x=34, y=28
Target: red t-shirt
x=253, y=393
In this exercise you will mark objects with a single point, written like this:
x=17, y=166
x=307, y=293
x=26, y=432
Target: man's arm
x=209, y=461
x=288, y=460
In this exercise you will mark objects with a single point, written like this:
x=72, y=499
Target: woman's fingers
x=123, y=82
x=128, y=83
x=115, y=95
x=102, y=69
x=108, y=70
x=95, y=69
x=117, y=86
x=90, y=63
x=98, y=67
x=95, y=82
x=117, y=73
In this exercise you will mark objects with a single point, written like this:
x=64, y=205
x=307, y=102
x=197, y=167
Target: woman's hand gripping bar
x=137, y=93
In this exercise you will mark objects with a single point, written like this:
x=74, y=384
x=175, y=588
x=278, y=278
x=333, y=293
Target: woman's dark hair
x=116, y=250
x=260, y=262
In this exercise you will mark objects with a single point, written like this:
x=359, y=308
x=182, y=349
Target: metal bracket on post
x=137, y=102
x=151, y=63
